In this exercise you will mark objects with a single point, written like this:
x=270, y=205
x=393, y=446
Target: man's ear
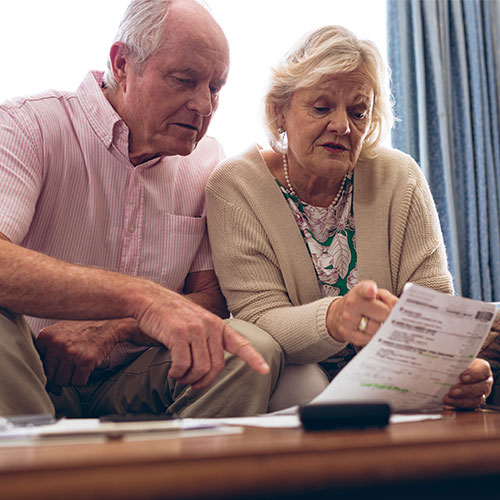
x=119, y=63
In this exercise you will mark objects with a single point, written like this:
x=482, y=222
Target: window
x=52, y=44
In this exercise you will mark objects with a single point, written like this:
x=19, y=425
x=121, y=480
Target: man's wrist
x=124, y=329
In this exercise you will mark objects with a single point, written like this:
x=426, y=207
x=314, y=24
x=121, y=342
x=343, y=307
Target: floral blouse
x=330, y=236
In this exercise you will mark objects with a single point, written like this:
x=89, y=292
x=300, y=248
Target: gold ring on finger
x=363, y=323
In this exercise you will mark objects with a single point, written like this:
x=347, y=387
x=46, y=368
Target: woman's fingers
x=387, y=298
x=357, y=316
x=474, y=386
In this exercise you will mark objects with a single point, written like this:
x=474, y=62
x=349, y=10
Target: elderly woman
x=314, y=239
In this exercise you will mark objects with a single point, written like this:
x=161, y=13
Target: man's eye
x=215, y=90
x=321, y=109
x=185, y=81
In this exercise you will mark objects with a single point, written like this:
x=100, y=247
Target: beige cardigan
x=264, y=267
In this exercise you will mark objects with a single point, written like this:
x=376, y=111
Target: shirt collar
x=106, y=122
x=102, y=117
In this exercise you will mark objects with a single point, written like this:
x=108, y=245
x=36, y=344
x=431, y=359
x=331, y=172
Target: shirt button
x=131, y=228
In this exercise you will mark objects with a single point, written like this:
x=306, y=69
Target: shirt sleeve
x=20, y=172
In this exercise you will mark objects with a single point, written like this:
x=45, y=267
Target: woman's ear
x=280, y=119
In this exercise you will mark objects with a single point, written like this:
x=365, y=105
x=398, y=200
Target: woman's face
x=326, y=125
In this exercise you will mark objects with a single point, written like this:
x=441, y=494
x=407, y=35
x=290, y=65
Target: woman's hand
x=344, y=319
x=474, y=386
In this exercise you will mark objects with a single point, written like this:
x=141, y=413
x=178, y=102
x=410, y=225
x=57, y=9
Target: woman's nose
x=339, y=122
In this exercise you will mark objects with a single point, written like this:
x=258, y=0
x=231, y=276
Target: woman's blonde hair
x=330, y=51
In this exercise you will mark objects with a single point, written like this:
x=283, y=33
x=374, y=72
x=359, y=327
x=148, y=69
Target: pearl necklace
x=292, y=191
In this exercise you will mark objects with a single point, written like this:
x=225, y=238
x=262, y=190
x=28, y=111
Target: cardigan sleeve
x=252, y=282
x=418, y=252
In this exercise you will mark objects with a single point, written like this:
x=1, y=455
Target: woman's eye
x=321, y=109
x=359, y=115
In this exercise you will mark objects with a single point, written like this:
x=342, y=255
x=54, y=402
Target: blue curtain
x=445, y=61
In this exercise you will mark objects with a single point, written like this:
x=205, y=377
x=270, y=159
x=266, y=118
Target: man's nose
x=201, y=101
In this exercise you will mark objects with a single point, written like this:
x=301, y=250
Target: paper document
x=84, y=429
x=291, y=420
x=428, y=339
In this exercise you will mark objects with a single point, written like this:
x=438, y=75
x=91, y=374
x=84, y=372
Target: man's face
x=169, y=105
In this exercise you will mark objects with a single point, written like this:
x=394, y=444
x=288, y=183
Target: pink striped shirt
x=68, y=189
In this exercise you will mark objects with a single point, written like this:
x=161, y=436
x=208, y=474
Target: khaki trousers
x=140, y=387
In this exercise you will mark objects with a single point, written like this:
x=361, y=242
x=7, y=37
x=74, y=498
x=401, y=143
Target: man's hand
x=474, y=386
x=71, y=350
x=195, y=337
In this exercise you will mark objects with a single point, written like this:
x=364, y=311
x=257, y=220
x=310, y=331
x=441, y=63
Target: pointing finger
x=241, y=347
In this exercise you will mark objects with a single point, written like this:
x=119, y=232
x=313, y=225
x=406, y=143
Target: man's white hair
x=141, y=31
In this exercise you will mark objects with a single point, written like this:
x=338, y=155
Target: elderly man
x=102, y=219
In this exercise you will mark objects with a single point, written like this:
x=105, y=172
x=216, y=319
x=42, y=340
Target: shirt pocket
x=182, y=238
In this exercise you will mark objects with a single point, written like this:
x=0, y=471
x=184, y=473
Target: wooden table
x=458, y=456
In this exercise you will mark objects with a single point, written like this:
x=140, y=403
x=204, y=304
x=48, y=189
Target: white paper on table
x=85, y=429
x=428, y=339
x=291, y=420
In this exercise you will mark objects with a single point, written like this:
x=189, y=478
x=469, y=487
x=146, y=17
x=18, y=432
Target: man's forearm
x=35, y=284
x=203, y=289
x=214, y=302
x=38, y=285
